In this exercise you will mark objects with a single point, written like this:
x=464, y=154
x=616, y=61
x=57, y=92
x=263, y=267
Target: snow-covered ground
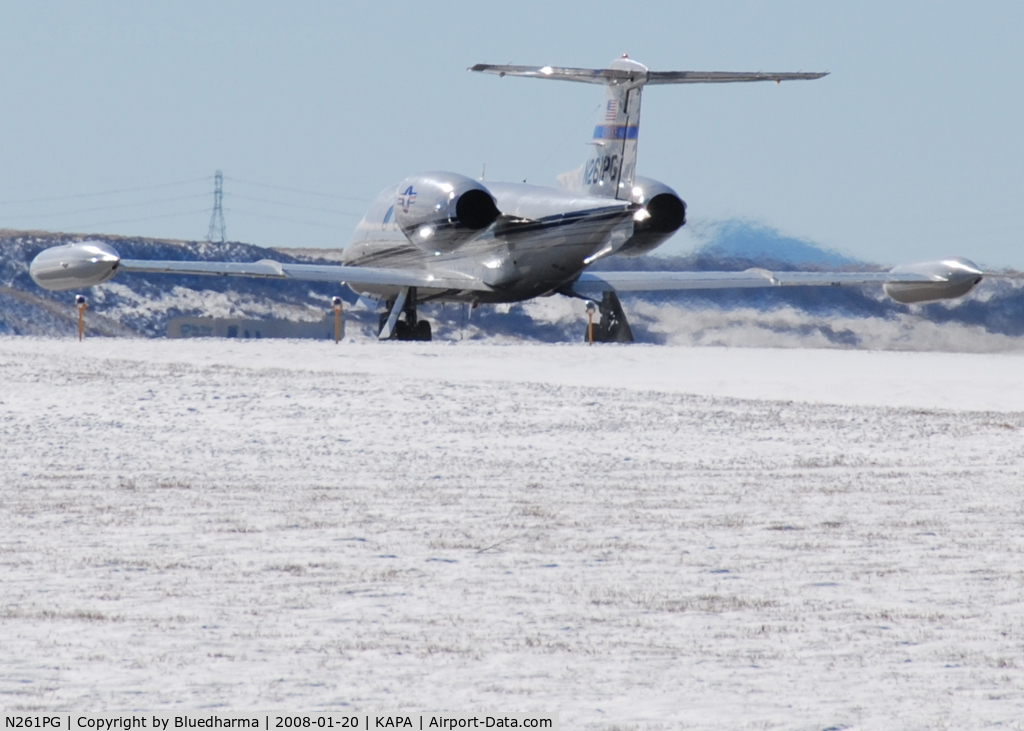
x=635, y=537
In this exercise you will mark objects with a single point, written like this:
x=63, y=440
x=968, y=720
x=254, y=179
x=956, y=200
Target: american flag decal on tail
x=613, y=110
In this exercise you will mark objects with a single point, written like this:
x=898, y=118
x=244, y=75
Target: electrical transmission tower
x=216, y=232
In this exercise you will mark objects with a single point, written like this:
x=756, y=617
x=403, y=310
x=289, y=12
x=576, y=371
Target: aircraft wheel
x=422, y=331
x=403, y=331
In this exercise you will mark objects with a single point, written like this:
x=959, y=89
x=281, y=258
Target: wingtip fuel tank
x=946, y=279
x=74, y=266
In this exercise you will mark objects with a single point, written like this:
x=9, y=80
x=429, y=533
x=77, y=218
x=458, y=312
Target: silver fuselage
x=540, y=243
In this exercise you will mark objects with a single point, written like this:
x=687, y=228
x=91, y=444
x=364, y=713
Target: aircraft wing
x=593, y=283
x=352, y=275
x=87, y=263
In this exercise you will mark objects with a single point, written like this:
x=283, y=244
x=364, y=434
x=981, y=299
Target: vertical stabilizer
x=611, y=163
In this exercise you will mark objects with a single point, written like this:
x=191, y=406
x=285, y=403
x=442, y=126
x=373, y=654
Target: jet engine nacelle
x=663, y=213
x=952, y=277
x=74, y=266
x=439, y=212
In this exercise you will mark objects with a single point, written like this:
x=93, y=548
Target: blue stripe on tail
x=616, y=132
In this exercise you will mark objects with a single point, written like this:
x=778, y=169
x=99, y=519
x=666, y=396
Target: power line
x=234, y=196
x=106, y=192
x=299, y=190
x=136, y=220
x=114, y=208
x=217, y=230
x=334, y=227
x=565, y=139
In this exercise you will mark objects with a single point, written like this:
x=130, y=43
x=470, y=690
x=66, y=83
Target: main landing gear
x=613, y=326
x=391, y=327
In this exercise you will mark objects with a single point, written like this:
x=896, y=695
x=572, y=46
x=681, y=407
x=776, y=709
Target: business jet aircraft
x=444, y=237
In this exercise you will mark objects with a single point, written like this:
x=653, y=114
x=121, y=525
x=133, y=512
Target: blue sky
x=912, y=148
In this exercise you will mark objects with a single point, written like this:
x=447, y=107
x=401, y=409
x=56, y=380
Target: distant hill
x=139, y=305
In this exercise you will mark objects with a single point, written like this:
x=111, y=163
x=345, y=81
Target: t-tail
x=610, y=168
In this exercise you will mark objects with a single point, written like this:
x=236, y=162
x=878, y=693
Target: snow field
x=634, y=537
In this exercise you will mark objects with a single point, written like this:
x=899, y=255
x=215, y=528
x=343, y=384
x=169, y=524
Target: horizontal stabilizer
x=728, y=77
x=640, y=76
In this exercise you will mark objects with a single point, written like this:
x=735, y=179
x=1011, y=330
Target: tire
x=422, y=331
x=403, y=331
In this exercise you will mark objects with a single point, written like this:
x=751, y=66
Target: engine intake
x=440, y=211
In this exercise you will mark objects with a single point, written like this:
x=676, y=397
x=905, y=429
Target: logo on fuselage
x=406, y=199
